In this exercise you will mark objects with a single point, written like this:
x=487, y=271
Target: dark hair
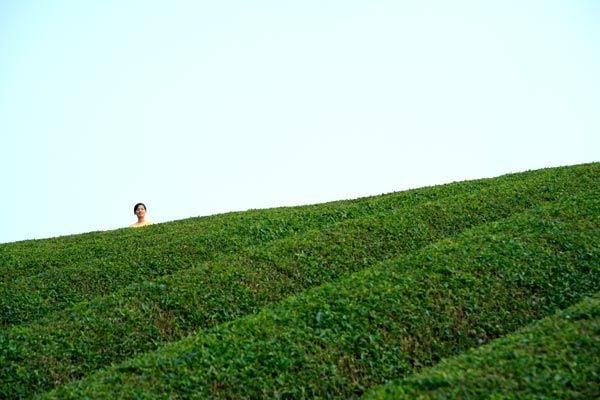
x=137, y=205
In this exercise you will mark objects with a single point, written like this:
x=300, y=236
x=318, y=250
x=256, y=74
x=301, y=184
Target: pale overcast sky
x=198, y=107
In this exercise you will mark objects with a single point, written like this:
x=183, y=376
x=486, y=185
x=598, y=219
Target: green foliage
x=556, y=358
x=43, y=276
x=72, y=305
x=336, y=340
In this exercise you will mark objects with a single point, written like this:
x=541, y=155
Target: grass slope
x=43, y=276
x=384, y=322
x=71, y=342
x=556, y=358
x=63, y=271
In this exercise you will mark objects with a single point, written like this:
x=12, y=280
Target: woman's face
x=140, y=211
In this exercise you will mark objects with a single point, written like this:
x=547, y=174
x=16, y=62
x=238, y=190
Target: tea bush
x=42, y=276
x=89, y=335
x=73, y=305
x=384, y=322
x=556, y=358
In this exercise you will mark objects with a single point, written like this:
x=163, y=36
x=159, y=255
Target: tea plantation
x=442, y=292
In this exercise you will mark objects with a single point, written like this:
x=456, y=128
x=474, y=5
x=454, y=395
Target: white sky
x=198, y=107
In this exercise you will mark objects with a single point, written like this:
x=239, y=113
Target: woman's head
x=138, y=205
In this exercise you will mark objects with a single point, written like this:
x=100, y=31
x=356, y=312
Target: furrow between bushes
x=385, y=322
x=556, y=358
x=93, y=334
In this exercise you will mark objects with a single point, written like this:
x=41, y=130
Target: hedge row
x=382, y=323
x=203, y=236
x=69, y=344
x=556, y=358
x=67, y=270
x=103, y=263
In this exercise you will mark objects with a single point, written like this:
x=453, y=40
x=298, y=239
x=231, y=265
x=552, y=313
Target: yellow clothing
x=140, y=224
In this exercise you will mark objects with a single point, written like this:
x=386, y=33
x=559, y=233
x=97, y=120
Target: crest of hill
x=67, y=270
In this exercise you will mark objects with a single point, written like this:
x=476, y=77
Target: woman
x=140, y=211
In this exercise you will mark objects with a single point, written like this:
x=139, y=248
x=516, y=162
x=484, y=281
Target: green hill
x=317, y=301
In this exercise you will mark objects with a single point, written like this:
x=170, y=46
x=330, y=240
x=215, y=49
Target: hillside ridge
x=71, y=306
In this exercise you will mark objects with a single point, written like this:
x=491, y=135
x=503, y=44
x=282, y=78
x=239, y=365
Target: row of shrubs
x=556, y=358
x=41, y=276
x=207, y=235
x=382, y=323
x=69, y=270
x=68, y=344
